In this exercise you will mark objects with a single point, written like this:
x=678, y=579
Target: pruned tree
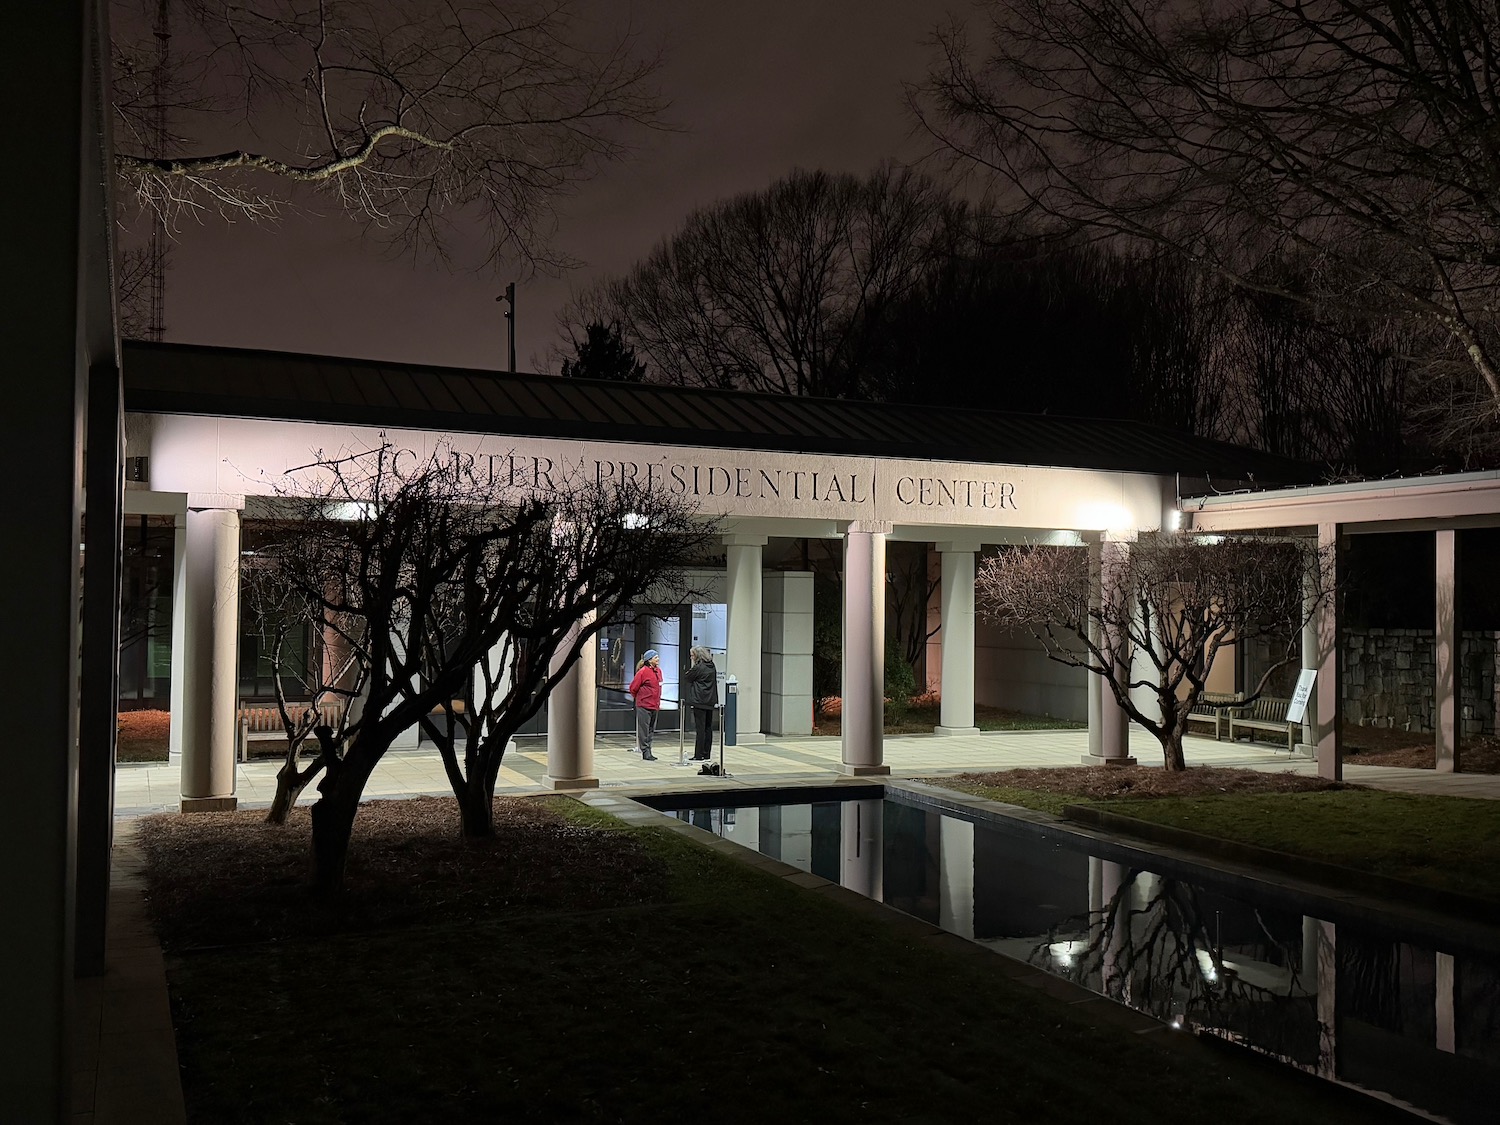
x=425, y=567
x=1166, y=604
x=1355, y=139
x=765, y=291
x=602, y=549
x=313, y=655
x=421, y=123
x=603, y=354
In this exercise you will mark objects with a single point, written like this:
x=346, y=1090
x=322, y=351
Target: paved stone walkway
x=142, y=788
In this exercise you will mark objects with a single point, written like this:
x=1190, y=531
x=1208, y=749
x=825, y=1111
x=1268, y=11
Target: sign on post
x=1300, y=695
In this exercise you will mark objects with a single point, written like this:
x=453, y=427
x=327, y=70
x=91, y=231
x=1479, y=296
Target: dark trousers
x=703, y=724
x=645, y=729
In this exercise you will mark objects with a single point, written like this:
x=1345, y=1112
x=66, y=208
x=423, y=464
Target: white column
x=863, y=722
x=210, y=654
x=572, y=711
x=1446, y=1007
x=1310, y=659
x=956, y=875
x=1327, y=1002
x=179, y=638
x=956, y=715
x=1447, y=640
x=1327, y=691
x=863, y=840
x=1109, y=726
x=742, y=659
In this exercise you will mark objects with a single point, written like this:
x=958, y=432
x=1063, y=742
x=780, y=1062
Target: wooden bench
x=1268, y=713
x=261, y=722
x=1213, y=707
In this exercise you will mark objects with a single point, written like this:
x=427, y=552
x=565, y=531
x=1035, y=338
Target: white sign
x=1300, y=695
x=242, y=456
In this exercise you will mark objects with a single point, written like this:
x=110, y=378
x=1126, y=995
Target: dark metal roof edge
x=1184, y=454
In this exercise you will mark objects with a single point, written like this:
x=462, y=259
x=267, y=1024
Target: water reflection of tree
x=1154, y=947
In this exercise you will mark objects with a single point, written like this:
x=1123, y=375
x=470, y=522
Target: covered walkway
x=409, y=773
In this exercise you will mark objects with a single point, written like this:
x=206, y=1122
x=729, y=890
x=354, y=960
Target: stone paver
x=405, y=773
x=125, y=1055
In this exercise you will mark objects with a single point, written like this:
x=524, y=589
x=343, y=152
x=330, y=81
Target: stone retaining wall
x=1389, y=676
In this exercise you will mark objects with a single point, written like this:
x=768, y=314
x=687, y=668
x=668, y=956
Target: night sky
x=756, y=90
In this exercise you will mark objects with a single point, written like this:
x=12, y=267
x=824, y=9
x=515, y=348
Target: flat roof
x=242, y=383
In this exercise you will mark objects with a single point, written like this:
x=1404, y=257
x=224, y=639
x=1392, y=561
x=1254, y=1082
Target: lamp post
x=509, y=297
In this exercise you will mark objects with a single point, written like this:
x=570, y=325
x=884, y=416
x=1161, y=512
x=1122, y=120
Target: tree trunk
x=1172, y=758
x=332, y=823
x=290, y=782
x=476, y=807
x=333, y=818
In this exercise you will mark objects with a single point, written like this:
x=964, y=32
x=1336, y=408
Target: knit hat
x=650, y=653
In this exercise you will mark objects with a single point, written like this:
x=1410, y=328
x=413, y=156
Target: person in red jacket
x=646, y=690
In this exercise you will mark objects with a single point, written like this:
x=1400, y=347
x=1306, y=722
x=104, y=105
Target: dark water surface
x=1407, y=1013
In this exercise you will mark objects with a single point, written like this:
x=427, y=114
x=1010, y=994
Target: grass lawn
x=577, y=969
x=1449, y=843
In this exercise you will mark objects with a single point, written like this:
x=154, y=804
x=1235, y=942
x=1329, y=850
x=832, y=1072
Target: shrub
x=900, y=682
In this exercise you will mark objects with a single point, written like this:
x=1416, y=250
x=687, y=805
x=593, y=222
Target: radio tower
x=156, y=248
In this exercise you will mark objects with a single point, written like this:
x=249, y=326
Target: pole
x=509, y=297
x=510, y=326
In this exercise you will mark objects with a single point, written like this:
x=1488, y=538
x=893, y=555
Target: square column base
x=954, y=730
x=571, y=782
x=865, y=771
x=1092, y=760
x=1330, y=765
x=753, y=738
x=209, y=804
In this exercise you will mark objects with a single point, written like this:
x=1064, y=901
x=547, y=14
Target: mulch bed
x=1377, y=746
x=1105, y=782
x=230, y=878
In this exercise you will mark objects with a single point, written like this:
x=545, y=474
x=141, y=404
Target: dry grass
x=230, y=878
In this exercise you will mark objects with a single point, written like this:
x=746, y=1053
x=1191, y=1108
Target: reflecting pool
x=1409, y=1015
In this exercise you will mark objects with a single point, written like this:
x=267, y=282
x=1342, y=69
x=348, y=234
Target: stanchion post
x=723, y=734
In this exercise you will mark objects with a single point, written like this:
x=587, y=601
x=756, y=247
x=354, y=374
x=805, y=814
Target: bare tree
x=1154, y=946
x=1356, y=138
x=425, y=567
x=603, y=549
x=421, y=123
x=1173, y=601
x=313, y=655
x=766, y=291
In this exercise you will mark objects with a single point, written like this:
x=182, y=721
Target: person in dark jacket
x=645, y=689
x=702, y=696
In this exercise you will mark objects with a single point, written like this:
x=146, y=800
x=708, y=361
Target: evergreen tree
x=603, y=354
